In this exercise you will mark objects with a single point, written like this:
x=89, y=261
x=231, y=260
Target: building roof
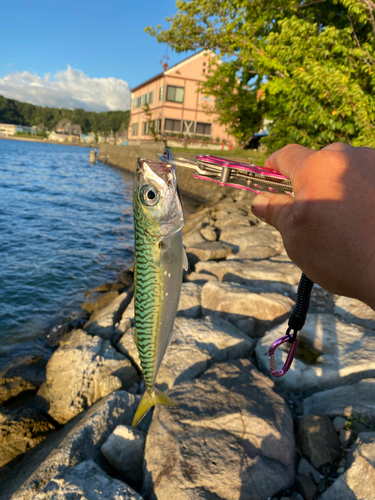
x=168, y=70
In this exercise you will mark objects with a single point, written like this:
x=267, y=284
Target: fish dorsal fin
x=185, y=262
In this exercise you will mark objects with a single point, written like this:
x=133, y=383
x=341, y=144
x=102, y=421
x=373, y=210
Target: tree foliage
x=22, y=113
x=312, y=61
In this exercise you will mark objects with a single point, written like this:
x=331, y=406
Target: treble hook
x=293, y=339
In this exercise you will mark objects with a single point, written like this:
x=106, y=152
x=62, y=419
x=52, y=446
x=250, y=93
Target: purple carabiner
x=289, y=359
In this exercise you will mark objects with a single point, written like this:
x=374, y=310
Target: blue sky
x=91, y=52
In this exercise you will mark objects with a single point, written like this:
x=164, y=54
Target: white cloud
x=67, y=89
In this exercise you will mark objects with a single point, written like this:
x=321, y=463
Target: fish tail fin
x=149, y=400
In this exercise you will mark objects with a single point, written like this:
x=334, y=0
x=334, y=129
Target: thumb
x=275, y=209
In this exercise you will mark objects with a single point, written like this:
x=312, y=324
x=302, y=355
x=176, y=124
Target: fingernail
x=259, y=206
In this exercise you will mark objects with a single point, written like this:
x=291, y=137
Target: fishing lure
x=259, y=180
x=159, y=260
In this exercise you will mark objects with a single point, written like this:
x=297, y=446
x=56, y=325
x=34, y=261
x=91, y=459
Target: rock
x=354, y=311
x=98, y=301
x=345, y=436
x=190, y=300
x=124, y=449
x=331, y=353
x=358, y=482
x=76, y=442
x=357, y=398
x=107, y=287
x=307, y=487
x=253, y=253
x=20, y=430
x=192, y=238
x=82, y=371
x=196, y=221
x=126, y=277
x=264, y=275
x=306, y=469
x=103, y=322
x=86, y=481
x=231, y=438
x=252, y=236
x=317, y=440
x=339, y=423
x=209, y=250
x=200, y=278
x=233, y=220
x=235, y=302
x=128, y=314
x=198, y=343
x=209, y=233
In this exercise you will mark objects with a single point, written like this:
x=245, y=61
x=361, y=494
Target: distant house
x=8, y=129
x=174, y=104
x=66, y=132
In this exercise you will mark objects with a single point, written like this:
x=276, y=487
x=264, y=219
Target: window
x=144, y=99
x=136, y=102
x=188, y=127
x=175, y=94
x=135, y=129
x=203, y=129
x=145, y=128
x=172, y=125
x=157, y=125
x=150, y=98
x=161, y=93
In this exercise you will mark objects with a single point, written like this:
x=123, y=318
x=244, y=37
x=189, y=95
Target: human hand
x=328, y=228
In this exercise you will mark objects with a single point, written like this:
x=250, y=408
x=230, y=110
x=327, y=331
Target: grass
x=244, y=155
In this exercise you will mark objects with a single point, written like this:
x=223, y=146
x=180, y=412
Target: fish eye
x=149, y=196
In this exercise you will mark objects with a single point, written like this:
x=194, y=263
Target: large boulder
x=354, y=311
x=242, y=237
x=346, y=400
x=265, y=275
x=98, y=300
x=231, y=438
x=190, y=301
x=253, y=253
x=80, y=372
x=209, y=250
x=331, y=353
x=104, y=322
x=197, y=344
x=235, y=302
x=358, y=482
x=20, y=430
x=84, y=481
x=76, y=442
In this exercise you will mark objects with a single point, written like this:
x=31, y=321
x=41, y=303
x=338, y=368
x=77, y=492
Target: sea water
x=66, y=226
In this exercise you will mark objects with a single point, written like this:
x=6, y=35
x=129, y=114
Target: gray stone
x=306, y=469
x=80, y=372
x=338, y=423
x=209, y=233
x=358, y=482
x=357, y=398
x=252, y=236
x=76, y=442
x=126, y=277
x=264, y=274
x=208, y=250
x=192, y=238
x=97, y=301
x=307, y=487
x=104, y=322
x=354, y=311
x=233, y=220
x=128, y=314
x=200, y=277
x=124, y=449
x=331, y=353
x=231, y=438
x=197, y=344
x=253, y=253
x=190, y=300
x=85, y=481
x=345, y=436
x=20, y=430
x=235, y=302
x=106, y=287
x=317, y=440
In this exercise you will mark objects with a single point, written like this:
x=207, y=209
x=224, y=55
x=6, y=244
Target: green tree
x=314, y=61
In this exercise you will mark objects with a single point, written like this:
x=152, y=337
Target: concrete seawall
x=126, y=157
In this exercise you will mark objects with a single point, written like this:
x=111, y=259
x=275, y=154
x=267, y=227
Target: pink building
x=174, y=103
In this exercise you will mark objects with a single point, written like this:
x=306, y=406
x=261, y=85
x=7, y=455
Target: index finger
x=287, y=160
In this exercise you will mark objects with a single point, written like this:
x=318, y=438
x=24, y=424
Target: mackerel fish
x=159, y=260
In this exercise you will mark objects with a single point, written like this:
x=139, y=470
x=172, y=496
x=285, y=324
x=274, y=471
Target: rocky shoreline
x=67, y=407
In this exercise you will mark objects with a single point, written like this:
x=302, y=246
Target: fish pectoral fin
x=185, y=262
x=149, y=400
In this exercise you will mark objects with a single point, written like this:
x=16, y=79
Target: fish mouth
x=161, y=170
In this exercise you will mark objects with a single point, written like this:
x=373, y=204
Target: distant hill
x=23, y=113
